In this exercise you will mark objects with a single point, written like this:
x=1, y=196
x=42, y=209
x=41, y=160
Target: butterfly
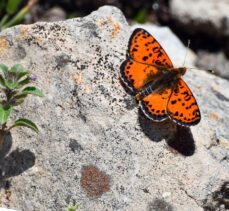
x=149, y=73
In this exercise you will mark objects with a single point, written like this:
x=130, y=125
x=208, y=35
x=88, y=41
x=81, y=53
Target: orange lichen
x=4, y=44
x=101, y=23
x=116, y=29
x=78, y=78
x=214, y=116
x=24, y=32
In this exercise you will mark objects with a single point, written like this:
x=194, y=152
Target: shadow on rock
x=177, y=137
x=182, y=141
x=156, y=131
x=14, y=163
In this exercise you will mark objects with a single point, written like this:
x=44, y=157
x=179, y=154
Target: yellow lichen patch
x=214, y=116
x=101, y=23
x=88, y=89
x=115, y=26
x=4, y=44
x=224, y=142
x=116, y=30
x=24, y=33
x=78, y=78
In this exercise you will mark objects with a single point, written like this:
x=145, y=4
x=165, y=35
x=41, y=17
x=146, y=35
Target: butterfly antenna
x=189, y=41
x=208, y=70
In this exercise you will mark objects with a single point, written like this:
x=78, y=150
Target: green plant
x=14, y=86
x=72, y=207
x=141, y=16
x=12, y=14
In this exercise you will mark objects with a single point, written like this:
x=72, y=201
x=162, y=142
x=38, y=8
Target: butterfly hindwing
x=182, y=106
x=154, y=105
x=144, y=48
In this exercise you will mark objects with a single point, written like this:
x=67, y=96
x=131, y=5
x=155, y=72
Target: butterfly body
x=157, y=85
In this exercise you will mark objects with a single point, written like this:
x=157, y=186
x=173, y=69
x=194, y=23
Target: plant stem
x=4, y=20
x=20, y=15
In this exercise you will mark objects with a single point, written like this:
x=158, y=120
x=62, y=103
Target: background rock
x=88, y=120
x=210, y=17
x=214, y=61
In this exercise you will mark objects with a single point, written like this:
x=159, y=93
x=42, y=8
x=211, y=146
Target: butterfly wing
x=144, y=48
x=182, y=106
x=135, y=74
x=145, y=54
x=154, y=105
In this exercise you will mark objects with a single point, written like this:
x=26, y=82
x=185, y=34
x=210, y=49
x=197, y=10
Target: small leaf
x=23, y=83
x=18, y=71
x=10, y=84
x=5, y=69
x=5, y=112
x=20, y=96
x=25, y=123
x=18, y=99
x=2, y=81
x=33, y=90
x=141, y=16
x=12, y=6
x=18, y=102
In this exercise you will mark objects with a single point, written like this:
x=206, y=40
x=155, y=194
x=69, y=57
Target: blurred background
x=204, y=22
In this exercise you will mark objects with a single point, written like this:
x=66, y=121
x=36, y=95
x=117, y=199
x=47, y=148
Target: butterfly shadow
x=178, y=138
x=13, y=163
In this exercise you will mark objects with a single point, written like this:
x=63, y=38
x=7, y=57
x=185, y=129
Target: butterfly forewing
x=135, y=75
x=182, y=106
x=144, y=48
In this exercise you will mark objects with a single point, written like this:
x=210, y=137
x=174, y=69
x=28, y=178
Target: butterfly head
x=182, y=70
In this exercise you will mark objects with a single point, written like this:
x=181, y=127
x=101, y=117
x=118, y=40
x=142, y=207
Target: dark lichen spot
x=75, y=146
x=218, y=199
x=159, y=205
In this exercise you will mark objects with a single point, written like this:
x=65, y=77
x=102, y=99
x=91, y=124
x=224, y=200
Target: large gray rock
x=95, y=147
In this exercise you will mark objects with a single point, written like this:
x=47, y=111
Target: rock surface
x=95, y=147
x=214, y=61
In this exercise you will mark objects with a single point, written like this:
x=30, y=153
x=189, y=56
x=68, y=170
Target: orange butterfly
x=158, y=86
